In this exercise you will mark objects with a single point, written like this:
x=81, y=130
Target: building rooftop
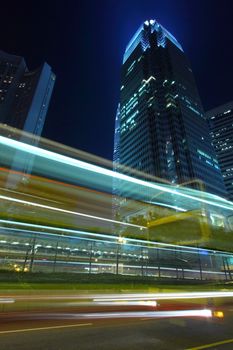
x=141, y=37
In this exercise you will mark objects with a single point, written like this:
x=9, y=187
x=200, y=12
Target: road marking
x=45, y=328
x=211, y=345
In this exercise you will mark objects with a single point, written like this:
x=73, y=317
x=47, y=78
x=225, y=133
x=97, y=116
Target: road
x=119, y=334
x=121, y=321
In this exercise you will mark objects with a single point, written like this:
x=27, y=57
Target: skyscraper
x=24, y=102
x=220, y=121
x=161, y=128
x=24, y=95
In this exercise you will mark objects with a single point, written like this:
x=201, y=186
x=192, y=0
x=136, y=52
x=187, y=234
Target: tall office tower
x=162, y=130
x=220, y=121
x=24, y=102
x=24, y=95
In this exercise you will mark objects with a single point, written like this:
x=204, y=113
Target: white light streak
x=164, y=296
x=99, y=170
x=149, y=314
x=129, y=296
x=12, y=199
x=6, y=301
x=129, y=241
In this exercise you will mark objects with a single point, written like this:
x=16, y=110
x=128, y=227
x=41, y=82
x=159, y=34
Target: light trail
x=206, y=313
x=37, y=151
x=29, y=195
x=159, y=245
x=150, y=314
x=66, y=236
x=127, y=296
x=149, y=303
x=165, y=296
x=167, y=206
x=99, y=265
x=152, y=303
x=7, y=301
x=12, y=199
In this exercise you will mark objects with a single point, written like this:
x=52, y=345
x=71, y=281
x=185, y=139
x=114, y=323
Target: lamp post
x=33, y=251
x=121, y=240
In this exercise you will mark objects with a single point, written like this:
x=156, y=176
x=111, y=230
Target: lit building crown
x=141, y=36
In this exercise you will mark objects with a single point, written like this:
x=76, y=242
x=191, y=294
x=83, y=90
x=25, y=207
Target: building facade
x=161, y=127
x=220, y=121
x=24, y=94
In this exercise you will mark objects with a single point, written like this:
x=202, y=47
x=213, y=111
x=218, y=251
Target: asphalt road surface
x=159, y=334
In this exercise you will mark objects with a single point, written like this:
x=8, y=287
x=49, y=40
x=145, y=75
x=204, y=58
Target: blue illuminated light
x=59, y=158
x=204, y=252
x=141, y=37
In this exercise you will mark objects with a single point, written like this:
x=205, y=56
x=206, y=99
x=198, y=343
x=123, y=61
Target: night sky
x=84, y=41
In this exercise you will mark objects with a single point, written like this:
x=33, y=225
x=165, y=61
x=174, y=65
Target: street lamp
x=121, y=240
